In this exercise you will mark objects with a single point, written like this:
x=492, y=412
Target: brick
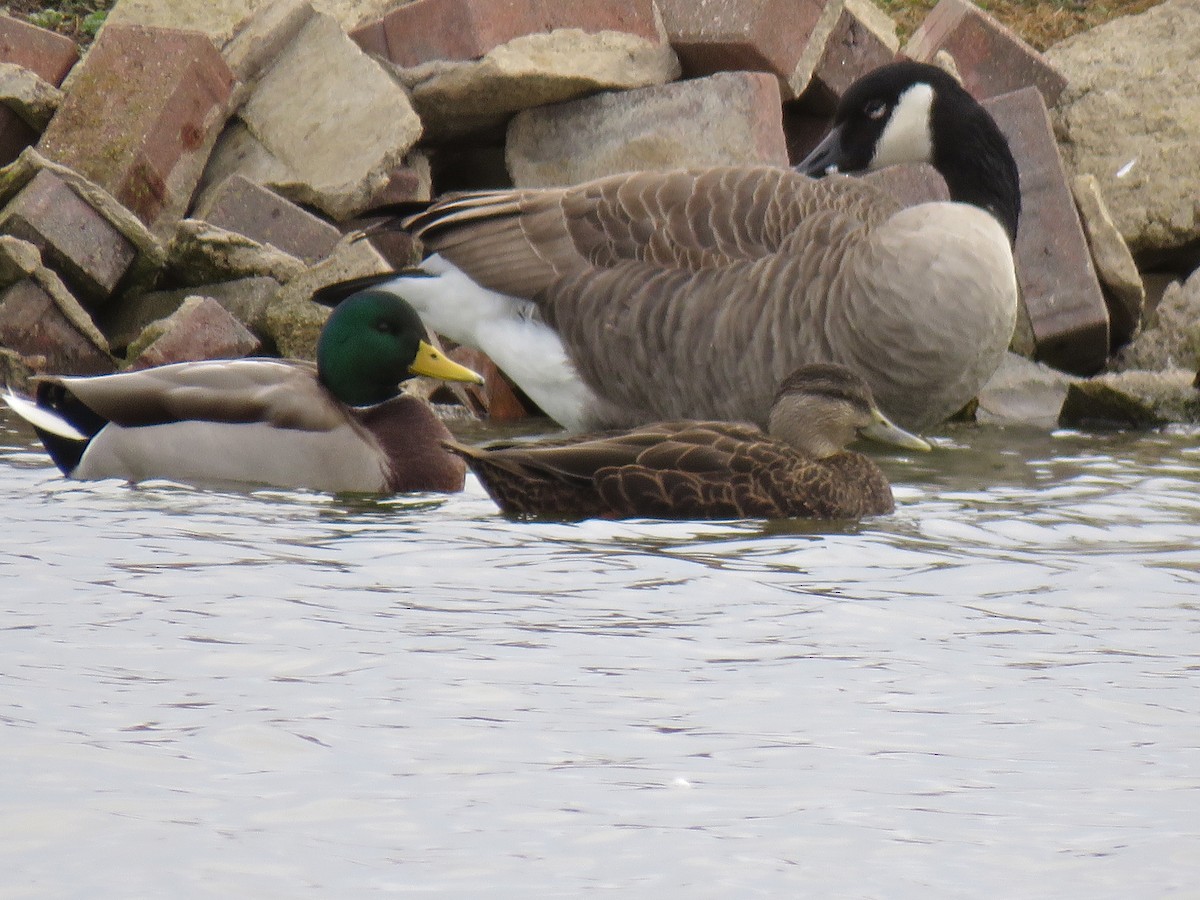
x=428, y=30
x=1058, y=282
x=731, y=118
x=238, y=204
x=74, y=239
x=412, y=181
x=861, y=39
x=991, y=58
x=200, y=329
x=34, y=325
x=736, y=35
x=15, y=135
x=48, y=54
x=496, y=397
x=144, y=110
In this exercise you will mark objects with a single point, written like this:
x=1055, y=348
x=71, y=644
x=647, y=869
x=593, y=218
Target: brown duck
x=709, y=470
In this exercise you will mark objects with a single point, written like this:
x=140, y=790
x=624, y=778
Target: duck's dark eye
x=875, y=109
x=384, y=327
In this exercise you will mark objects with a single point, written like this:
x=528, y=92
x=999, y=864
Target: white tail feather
x=44, y=419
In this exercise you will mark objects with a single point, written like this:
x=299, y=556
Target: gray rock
x=457, y=98
x=18, y=259
x=28, y=95
x=731, y=118
x=1023, y=391
x=1134, y=399
x=1171, y=334
x=292, y=321
x=1131, y=117
x=325, y=126
x=1123, y=288
x=201, y=253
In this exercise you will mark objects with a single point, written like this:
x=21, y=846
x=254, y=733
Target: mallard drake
x=691, y=294
x=338, y=426
x=709, y=470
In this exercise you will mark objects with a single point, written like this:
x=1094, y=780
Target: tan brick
x=991, y=58
x=427, y=30
x=48, y=54
x=860, y=39
x=1058, y=282
x=80, y=244
x=142, y=115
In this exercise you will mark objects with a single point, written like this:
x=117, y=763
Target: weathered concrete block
x=200, y=329
x=15, y=135
x=246, y=299
x=1134, y=399
x=240, y=205
x=28, y=94
x=34, y=323
x=263, y=35
x=991, y=58
x=48, y=54
x=142, y=114
x=327, y=135
x=1123, y=287
x=429, y=30
x=1058, y=282
x=1170, y=336
x=201, y=253
x=731, y=118
x=73, y=237
x=1023, y=391
x=18, y=260
x=1130, y=117
x=460, y=98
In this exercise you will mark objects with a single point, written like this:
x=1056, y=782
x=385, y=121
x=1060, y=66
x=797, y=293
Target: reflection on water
x=263, y=694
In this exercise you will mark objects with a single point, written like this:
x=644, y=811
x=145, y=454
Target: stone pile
x=181, y=191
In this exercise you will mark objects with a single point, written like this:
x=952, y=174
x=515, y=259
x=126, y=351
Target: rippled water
x=994, y=692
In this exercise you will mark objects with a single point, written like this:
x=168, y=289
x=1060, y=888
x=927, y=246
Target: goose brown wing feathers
x=521, y=242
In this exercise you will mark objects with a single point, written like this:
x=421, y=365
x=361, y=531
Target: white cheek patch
x=907, y=136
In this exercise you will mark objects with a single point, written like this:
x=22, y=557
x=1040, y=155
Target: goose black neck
x=974, y=158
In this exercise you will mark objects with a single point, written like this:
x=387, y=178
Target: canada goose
x=337, y=426
x=709, y=470
x=691, y=294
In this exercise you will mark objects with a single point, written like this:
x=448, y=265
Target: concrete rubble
x=180, y=191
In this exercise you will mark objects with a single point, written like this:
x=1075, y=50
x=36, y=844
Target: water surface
x=995, y=691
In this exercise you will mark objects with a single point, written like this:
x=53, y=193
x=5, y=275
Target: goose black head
x=914, y=112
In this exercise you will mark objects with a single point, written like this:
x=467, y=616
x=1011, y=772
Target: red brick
x=74, y=239
x=852, y=49
x=735, y=35
x=200, y=329
x=48, y=54
x=240, y=205
x=32, y=324
x=141, y=118
x=991, y=58
x=372, y=39
x=15, y=135
x=1058, y=282
x=427, y=30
